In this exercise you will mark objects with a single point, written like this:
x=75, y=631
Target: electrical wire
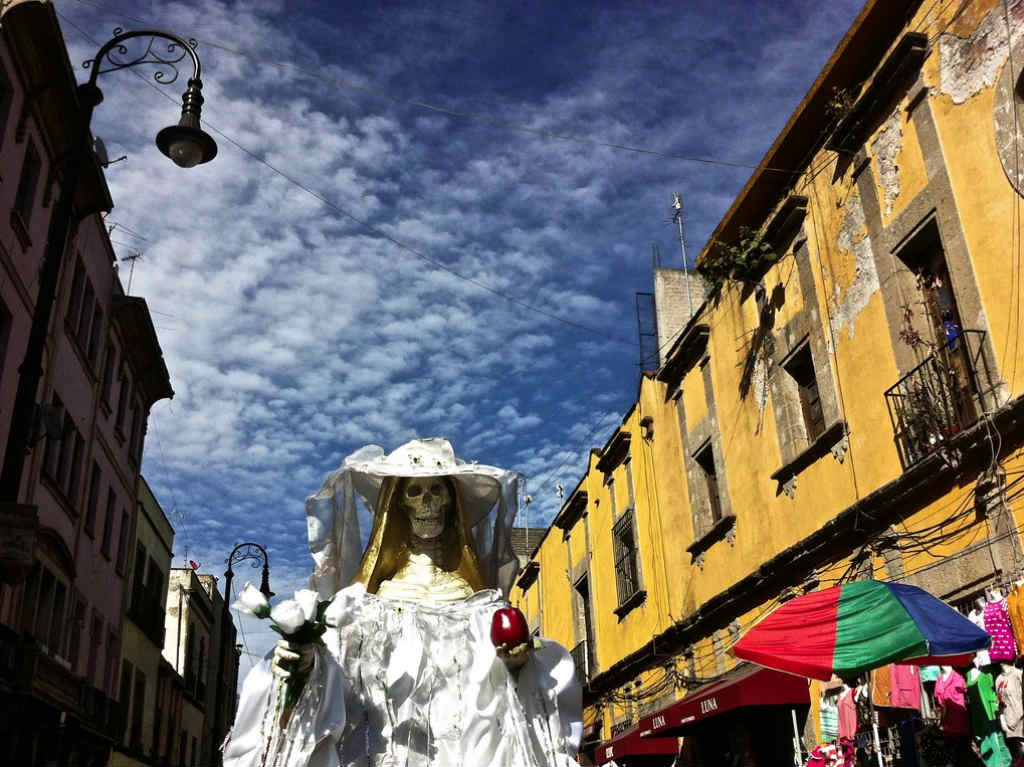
x=479, y=117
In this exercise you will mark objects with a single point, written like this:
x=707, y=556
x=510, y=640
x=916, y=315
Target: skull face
x=426, y=501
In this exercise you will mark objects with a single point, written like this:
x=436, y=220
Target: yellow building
x=845, y=403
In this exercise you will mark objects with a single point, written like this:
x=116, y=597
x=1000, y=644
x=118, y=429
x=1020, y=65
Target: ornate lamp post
x=241, y=553
x=185, y=143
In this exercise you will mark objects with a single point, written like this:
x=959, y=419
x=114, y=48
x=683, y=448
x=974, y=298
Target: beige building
x=142, y=635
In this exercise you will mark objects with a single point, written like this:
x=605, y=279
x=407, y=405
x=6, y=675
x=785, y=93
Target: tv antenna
x=677, y=218
x=131, y=259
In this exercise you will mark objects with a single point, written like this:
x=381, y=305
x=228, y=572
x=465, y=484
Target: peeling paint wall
x=967, y=66
x=885, y=148
x=851, y=299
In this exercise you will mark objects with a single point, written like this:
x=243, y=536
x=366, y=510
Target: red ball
x=509, y=627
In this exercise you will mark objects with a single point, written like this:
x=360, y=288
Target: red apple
x=509, y=627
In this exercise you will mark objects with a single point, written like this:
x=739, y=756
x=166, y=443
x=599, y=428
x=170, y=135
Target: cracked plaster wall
x=853, y=239
x=885, y=148
x=969, y=65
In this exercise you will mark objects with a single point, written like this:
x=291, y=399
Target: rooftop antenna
x=135, y=256
x=677, y=218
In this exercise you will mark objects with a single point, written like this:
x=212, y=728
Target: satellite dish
x=101, y=151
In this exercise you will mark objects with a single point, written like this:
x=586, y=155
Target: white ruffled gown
x=408, y=683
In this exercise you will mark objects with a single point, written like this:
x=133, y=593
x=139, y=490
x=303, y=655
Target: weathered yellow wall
x=849, y=312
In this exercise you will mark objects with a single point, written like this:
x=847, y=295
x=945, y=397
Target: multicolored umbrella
x=849, y=629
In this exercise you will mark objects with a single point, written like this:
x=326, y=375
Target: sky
x=392, y=242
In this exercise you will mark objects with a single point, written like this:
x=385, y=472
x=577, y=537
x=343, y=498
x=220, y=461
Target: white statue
x=411, y=546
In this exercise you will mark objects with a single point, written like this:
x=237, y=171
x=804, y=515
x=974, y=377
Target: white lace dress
x=407, y=683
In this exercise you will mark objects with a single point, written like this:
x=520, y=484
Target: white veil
x=339, y=517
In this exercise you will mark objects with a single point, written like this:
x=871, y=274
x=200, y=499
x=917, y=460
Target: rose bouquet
x=299, y=620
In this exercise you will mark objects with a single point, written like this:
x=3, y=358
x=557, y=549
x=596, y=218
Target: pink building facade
x=63, y=599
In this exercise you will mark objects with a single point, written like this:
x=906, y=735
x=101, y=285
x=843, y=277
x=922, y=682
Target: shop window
x=28, y=185
x=800, y=368
x=93, y=502
x=705, y=460
x=108, y=523
x=626, y=571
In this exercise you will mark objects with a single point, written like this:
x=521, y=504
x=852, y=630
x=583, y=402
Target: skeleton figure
x=407, y=673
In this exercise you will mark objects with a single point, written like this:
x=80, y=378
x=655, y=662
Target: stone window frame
x=933, y=206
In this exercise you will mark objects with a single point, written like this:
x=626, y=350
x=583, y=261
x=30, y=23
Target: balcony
x=581, y=659
x=940, y=397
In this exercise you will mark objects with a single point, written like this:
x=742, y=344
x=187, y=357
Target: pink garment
x=906, y=686
x=847, y=707
x=951, y=694
x=997, y=623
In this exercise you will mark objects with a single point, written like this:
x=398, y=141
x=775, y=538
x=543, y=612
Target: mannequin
x=950, y=693
x=977, y=617
x=1011, y=708
x=984, y=710
x=997, y=623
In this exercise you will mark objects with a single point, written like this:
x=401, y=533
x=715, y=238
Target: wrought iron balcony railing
x=581, y=658
x=940, y=397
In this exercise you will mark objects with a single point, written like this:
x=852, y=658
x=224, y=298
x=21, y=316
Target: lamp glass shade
x=186, y=146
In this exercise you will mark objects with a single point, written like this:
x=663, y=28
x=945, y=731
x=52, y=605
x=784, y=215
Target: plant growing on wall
x=743, y=261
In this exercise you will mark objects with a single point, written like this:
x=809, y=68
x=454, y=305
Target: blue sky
x=295, y=334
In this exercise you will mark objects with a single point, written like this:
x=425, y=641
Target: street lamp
x=185, y=143
x=241, y=553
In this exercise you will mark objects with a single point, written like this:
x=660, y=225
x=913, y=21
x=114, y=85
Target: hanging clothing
x=997, y=623
x=930, y=673
x=847, y=708
x=881, y=686
x=983, y=704
x=950, y=692
x=905, y=691
x=1011, y=705
x=981, y=658
x=828, y=715
x=1015, y=609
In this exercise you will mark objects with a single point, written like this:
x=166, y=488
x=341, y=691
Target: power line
x=461, y=114
x=604, y=334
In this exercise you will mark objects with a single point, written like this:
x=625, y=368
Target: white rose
x=308, y=600
x=252, y=602
x=288, y=615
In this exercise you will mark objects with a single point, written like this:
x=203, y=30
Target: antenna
x=677, y=218
x=131, y=269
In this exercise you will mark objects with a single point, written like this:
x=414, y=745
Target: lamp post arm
x=110, y=56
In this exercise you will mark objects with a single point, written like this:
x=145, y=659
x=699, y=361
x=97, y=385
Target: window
x=109, y=362
x=51, y=453
x=202, y=659
x=138, y=585
x=44, y=607
x=122, y=543
x=93, y=500
x=112, y=658
x=138, y=707
x=67, y=447
x=108, y=523
x=31, y=597
x=56, y=637
x=75, y=476
x=75, y=301
x=800, y=368
x=95, y=643
x=123, y=396
x=584, y=628
x=83, y=328
x=5, y=334
x=628, y=463
x=135, y=431
x=28, y=184
x=705, y=459
x=610, y=482
x=127, y=680
x=75, y=631
x=627, y=579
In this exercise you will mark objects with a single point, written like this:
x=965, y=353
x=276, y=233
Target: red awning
x=634, y=743
x=746, y=686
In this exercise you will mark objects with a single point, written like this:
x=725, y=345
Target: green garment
x=984, y=708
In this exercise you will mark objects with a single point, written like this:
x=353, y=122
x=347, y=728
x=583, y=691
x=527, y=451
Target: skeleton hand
x=515, y=657
x=291, y=658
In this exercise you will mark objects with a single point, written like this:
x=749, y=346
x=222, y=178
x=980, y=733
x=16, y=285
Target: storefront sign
x=609, y=752
x=658, y=721
x=708, y=705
